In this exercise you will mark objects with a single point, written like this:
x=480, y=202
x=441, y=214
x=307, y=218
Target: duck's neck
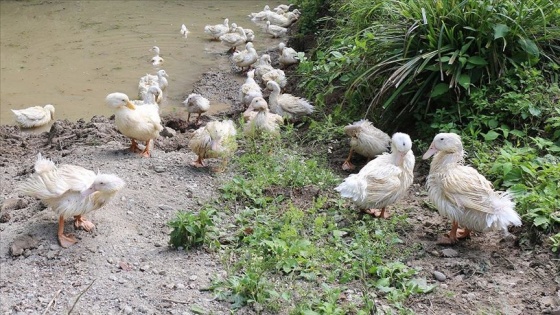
x=446, y=159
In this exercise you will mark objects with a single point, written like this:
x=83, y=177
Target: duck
x=384, y=180
x=366, y=140
x=232, y=40
x=275, y=75
x=262, y=15
x=215, y=140
x=152, y=97
x=275, y=30
x=139, y=123
x=245, y=58
x=34, y=116
x=260, y=120
x=282, y=19
x=250, y=34
x=156, y=60
x=288, y=56
x=287, y=105
x=215, y=31
x=250, y=89
x=159, y=79
x=70, y=191
x=262, y=66
x=463, y=195
x=196, y=103
x=184, y=31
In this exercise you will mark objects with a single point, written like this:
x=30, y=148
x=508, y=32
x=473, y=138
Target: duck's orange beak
x=130, y=105
x=431, y=151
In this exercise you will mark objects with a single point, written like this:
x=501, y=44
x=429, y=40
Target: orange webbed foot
x=80, y=222
x=348, y=166
x=66, y=240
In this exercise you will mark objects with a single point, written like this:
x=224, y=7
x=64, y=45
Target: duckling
x=463, y=195
x=283, y=19
x=246, y=57
x=215, y=140
x=152, y=97
x=197, y=104
x=262, y=15
x=215, y=31
x=233, y=40
x=260, y=120
x=366, y=140
x=262, y=66
x=156, y=60
x=70, y=191
x=141, y=123
x=250, y=89
x=288, y=56
x=148, y=80
x=35, y=116
x=384, y=180
x=184, y=31
x=287, y=105
x=275, y=75
x=275, y=30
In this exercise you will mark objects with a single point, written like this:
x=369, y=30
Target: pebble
x=162, y=273
x=159, y=169
x=449, y=252
x=165, y=207
x=179, y=286
x=193, y=277
x=127, y=309
x=144, y=268
x=439, y=276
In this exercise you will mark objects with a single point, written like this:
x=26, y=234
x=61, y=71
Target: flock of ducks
x=458, y=191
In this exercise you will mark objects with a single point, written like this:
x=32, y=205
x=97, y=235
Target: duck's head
x=155, y=49
x=106, y=183
x=281, y=46
x=444, y=142
x=162, y=73
x=273, y=86
x=156, y=92
x=401, y=144
x=50, y=108
x=117, y=100
x=265, y=58
x=258, y=104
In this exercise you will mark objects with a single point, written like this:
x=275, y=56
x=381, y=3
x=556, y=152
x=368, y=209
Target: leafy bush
x=190, y=229
x=396, y=56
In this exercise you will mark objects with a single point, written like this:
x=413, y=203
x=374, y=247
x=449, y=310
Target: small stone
x=165, y=207
x=157, y=244
x=159, y=169
x=54, y=247
x=162, y=273
x=193, y=277
x=22, y=243
x=449, y=252
x=127, y=309
x=14, y=204
x=179, y=286
x=439, y=276
x=144, y=268
x=51, y=254
x=168, y=132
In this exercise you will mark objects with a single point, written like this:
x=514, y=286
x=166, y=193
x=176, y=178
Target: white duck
x=287, y=105
x=288, y=56
x=197, y=104
x=282, y=19
x=275, y=75
x=184, y=31
x=139, y=123
x=262, y=66
x=275, y=30
x=250, y=34
x=215, y=31
x=246, y=57
x=262, y=15
x=156, y=60
x=384, y=180
x=232, y=40
x=463, y=195
x=71, y=191
x=260, y=119
x=250, y=89
x=35, y=116
x=215, y=140
x=366, y=140
x=152, y=97
x=160, y=80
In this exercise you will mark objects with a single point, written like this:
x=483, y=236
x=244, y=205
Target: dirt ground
x=126, y=267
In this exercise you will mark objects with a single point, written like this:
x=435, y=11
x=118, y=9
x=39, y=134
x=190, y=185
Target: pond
x=73, y=53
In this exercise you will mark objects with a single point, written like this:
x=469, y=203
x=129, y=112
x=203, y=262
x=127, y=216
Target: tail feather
x=353, y=187
x=43, y=165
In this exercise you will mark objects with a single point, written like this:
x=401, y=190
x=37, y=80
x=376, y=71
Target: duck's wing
x=468, y=189
x=76, y=178
x=58, y=181
x=32, y=113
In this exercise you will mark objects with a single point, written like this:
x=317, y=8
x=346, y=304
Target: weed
x=189, y=229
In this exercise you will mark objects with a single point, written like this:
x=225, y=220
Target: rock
x=449, y=252
x=159, y=169
x=5, y=216
x=127, y=309
x=166, y=207
x=193, y=277
x=179, y=286
x=168, y=132
x=22, y=243
x=144, y=268
x=439, y=276
x=14, y=204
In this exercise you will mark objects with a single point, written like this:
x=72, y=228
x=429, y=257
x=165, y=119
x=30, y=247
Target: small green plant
x=555, y=240
x=190, y=229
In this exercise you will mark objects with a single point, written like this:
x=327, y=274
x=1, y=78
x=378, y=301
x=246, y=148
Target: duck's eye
x=441, y=139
